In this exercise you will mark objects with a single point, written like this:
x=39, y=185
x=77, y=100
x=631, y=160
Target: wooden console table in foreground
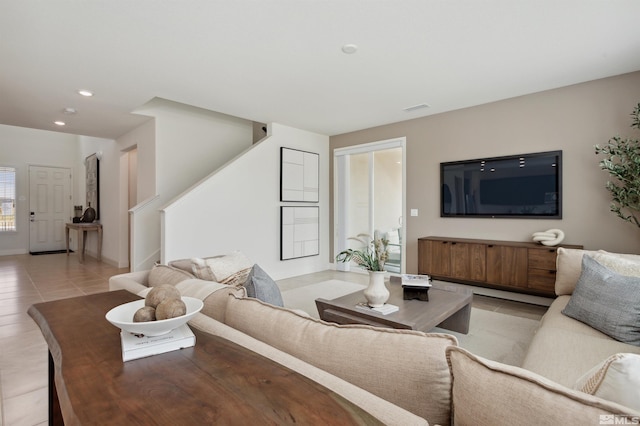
x=82, y=229
x=214, y=382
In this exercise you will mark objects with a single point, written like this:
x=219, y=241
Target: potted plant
x=622, y=161
x=372, y=257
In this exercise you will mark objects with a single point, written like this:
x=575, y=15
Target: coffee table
x=449, y=307
x=214, y=382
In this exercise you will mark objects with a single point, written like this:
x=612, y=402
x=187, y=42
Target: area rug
x=304, y=298
x=492, y=335
x=496, y=336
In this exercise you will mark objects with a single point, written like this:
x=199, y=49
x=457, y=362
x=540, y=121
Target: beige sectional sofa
x=406, y=377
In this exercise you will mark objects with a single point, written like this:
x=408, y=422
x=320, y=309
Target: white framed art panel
x=300, y=231
x=299, y=176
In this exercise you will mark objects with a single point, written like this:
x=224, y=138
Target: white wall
x=21, y=147
x=109, y=196
x=189, y=144
x=192, y=142
x=238, y=208
x=143, y=140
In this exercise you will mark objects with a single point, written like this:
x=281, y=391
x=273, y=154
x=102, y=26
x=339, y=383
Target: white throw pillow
x=615, y=379
x=624, y=264
x=231, y=269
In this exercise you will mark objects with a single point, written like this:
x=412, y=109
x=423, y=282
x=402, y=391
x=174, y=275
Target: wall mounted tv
x=515, y=186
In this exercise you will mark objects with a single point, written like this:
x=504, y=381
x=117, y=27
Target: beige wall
x=572, y=119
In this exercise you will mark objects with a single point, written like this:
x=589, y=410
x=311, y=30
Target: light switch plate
x=414, y=212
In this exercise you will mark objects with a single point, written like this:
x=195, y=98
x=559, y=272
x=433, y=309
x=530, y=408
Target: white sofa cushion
x=405, y=367
x=489, y=393
x=617, y=379
x=568, y=269
x=164, y=274
x=569, y=266
x=385, y=411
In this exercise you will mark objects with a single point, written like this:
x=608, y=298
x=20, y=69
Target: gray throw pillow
x=259, y=285
x=607, y=301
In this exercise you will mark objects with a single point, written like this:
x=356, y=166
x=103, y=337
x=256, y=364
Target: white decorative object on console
x=550, y=237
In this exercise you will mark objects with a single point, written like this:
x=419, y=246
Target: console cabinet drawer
x=542, y=280
x=542, y=258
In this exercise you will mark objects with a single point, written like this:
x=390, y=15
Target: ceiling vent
x=416, y=107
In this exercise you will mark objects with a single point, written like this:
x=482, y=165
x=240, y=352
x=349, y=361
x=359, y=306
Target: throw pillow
x=231, y=269
x=616, y=379
x=259, y=285
x=607, y=301
x=620, y=263
x=184, y=264
x=163, y=274
x=486, y=392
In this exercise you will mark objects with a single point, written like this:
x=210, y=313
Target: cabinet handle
x=453, y=243
x=552, y=250
x=490, y=246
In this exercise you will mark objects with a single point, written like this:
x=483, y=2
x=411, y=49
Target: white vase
x=376, y=293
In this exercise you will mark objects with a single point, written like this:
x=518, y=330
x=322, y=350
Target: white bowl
x=122, y=317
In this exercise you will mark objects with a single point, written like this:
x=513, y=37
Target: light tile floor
x=27, y=279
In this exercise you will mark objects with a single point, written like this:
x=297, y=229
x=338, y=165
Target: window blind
x=7, y=199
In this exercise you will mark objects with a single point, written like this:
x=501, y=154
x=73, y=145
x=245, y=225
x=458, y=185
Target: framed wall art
x=92, y=166
x=299, y=231
x=299, y=175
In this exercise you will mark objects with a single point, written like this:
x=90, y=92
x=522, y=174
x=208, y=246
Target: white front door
x=49, y=207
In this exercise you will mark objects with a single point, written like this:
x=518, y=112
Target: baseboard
x=12, y=252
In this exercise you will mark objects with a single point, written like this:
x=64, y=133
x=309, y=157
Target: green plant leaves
x=372, y=256
x=622, y=162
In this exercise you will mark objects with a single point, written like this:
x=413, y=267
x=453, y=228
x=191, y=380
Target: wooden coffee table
x=449, y=307
x=214, y=382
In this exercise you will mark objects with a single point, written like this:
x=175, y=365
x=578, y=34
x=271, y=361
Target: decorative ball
x=170, y=308
x=160, y=293
x=144, y=314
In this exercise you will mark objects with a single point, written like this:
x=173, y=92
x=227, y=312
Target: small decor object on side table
x=89, y=215
x=77, y=214
x=372, y=257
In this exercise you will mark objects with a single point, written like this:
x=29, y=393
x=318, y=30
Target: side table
x=82, y=229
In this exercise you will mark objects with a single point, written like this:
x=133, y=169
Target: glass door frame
x=342, y=196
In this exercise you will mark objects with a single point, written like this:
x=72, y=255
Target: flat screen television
x=515, y=186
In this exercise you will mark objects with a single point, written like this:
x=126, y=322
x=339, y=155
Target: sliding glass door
x=370, y=197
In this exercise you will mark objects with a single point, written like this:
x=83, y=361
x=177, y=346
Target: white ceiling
x=281, y=60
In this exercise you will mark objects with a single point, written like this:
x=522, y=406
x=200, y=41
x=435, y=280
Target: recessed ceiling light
x=69, y=111
x=349, y=48
x=86, y=93
x=59, y=123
